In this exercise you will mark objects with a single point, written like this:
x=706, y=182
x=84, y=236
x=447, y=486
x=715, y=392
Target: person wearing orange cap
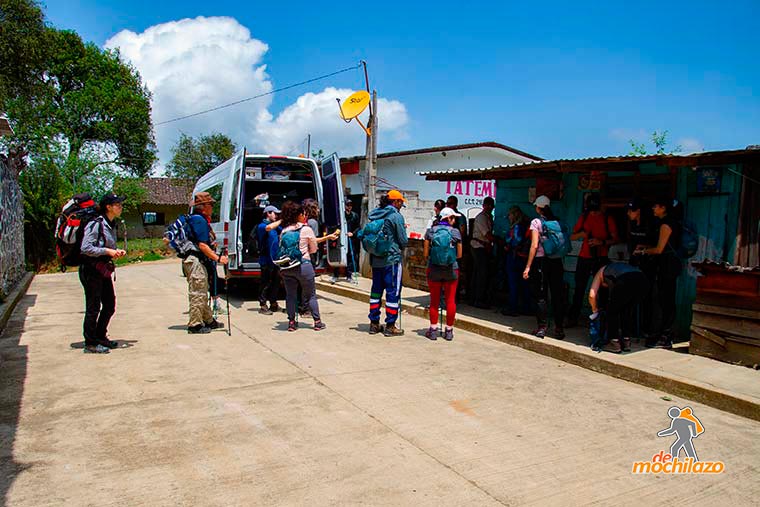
x=386, y=263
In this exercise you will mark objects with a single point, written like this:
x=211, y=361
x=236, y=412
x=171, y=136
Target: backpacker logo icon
x=685, y=426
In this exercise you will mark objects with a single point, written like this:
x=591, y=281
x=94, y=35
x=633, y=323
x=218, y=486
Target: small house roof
x=167, y=191
x=453, y=147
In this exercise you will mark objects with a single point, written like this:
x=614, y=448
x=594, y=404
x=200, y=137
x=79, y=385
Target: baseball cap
x=271, y=209
x=110, y=198
x=395, y=195
x=203, y=198
x=448, y=212
x=542, y=201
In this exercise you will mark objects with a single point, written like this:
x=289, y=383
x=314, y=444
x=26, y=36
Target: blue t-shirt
x=200, y=229
x=269, y=242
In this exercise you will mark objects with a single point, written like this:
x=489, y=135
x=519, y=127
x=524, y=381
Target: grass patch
x=138, y=250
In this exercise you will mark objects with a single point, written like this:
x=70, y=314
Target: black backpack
x=69, y=229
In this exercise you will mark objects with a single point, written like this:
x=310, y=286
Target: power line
x=261, y=95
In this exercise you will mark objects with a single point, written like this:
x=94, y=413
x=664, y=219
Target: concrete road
x=338, y=417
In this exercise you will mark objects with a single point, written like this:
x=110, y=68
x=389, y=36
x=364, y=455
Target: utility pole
x=308, y=145
x=371, y=157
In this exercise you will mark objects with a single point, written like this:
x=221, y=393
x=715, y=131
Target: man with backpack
x=194, y=266
x=385, y=238
x=598, y=232
x=97, y=251
x=268, y=243
x=443, y=246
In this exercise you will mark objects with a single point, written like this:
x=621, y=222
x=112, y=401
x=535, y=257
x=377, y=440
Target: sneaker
x=275, y=308
x=111, y=344
x=392, y=330
x=664, y=343
x=282, y=261
x=199, y=329
x=96, y=349
x=559, y=333
x=431, y=333
x=292, y=325
x=613, y=346
x=264, y=310
x=319, y=325
x=333, y=280
x=214, y=324
x=626, y=344
x=375, y=327
x=448, y=335
x=540, y=332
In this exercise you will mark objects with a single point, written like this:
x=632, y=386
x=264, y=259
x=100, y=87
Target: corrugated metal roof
x=589, y=160
x=453, y=147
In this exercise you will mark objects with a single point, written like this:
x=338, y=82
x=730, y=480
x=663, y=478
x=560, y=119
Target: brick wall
x=11, y=230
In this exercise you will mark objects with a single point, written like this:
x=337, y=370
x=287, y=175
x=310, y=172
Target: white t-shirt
x=535, y=225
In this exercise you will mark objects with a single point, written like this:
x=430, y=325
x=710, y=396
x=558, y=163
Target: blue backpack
x=290, y=247
x=556, y=240
x=442, y=249
x=375, y=238
x=179, y=235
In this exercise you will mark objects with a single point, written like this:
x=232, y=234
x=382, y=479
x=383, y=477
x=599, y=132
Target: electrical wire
x=312, y=80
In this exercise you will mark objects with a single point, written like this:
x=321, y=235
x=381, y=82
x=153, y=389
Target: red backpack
x=69, y=229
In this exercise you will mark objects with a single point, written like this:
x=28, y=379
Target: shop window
x=153, y=218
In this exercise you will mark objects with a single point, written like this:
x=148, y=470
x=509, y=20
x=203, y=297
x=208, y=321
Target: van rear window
x=278, y=172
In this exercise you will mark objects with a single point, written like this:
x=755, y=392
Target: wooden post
x=370, y=188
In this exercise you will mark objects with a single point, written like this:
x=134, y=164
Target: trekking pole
x=440, y=311
x=227, y=295
x=214, y=294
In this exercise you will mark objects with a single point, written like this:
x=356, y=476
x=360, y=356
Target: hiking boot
x=448, y=335
x=392, y=330
x=264, y=310
x=319, y=325
x=626, y=344
x=375, y=327
x=214, y=324
x=199, y=329
x=613, y=346
x=431, y=333
x=559, y=333
x=540, y=332
x=292, y=325
x=96, y=349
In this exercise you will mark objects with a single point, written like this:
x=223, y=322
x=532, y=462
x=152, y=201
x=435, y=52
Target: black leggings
x=620, y=304
x=547, y=275
x=100, y=304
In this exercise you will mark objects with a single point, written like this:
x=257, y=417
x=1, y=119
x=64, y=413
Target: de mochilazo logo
x=685, y=427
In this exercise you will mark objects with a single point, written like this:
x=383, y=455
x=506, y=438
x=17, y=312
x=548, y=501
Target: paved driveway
x=266, y=417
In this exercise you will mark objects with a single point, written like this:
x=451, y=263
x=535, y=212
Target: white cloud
x=195, y=64
x=689, y=145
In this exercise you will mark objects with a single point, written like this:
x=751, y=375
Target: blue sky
x=557, y=79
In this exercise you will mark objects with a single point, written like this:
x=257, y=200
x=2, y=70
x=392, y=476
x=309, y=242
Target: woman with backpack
x=442, y=248
x=664, y=256
x=545, y=274
x=517, y=248
x=298, y=242
x=95, y=273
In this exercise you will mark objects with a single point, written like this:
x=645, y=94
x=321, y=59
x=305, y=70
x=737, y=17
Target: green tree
x=194, y=157
x=23, y=48
x=659, y=141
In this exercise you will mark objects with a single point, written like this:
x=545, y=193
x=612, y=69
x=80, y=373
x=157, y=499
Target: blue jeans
x=386, y=279
x=520, y=298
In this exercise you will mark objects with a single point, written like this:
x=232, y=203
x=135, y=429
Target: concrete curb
x=6, y=309
x=695, y=391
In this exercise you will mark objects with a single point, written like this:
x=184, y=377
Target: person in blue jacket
x=268, y=241
x=386, y=270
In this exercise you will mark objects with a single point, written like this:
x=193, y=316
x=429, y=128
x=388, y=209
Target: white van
x=246, y=183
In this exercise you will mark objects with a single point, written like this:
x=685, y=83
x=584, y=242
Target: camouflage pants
x=197, y=291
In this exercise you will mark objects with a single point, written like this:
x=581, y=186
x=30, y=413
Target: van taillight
x=226, y=234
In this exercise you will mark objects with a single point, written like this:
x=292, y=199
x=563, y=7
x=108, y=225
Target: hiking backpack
x=290, y=247
x=69, y=229
x=178, y=235
x=375, y=238
x=442, y=250
x=556, y=240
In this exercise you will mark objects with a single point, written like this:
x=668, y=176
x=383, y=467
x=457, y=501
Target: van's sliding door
x=333, y=210
x=234, y=219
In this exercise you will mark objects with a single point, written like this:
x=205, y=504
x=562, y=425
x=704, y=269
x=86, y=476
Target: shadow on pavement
x=13, y=361
x=123, y=344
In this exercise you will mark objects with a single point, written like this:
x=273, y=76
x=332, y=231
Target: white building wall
x=400, y=172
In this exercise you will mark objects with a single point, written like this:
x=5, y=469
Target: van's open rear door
x=333, y=210
x=234, y=219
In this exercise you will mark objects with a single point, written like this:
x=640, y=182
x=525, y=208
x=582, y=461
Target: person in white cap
x=545, y=273
x=442, y=248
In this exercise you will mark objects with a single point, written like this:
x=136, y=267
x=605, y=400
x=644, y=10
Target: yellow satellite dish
x=354, y=105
